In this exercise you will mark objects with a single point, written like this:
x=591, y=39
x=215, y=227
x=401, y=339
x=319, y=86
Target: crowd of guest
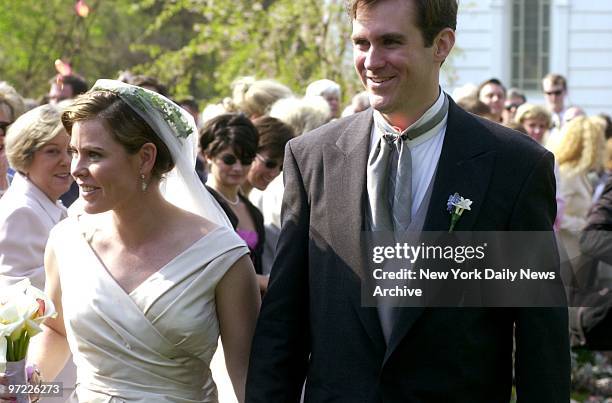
x=577, y=141
x=241, y=151
x=241, y=162
x=244, y=135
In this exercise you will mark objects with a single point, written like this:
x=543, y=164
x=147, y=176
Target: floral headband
x=143, y=100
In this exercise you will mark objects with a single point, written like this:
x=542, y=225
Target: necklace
x=233, y=203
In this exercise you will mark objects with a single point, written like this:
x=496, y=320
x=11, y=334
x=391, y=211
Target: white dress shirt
x=425, y=151
x=26, y=217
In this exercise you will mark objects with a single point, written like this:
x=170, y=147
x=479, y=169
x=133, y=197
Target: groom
x=312, y=325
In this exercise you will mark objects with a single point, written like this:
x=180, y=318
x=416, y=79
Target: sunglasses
x=229, y=159
x=3, y=126
x=556, y=92
x=269, y=163
x=511, y=107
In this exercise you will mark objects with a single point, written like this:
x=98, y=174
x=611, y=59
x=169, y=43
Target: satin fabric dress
x=154, y=344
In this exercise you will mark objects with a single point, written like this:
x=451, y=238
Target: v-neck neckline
x=151, y=276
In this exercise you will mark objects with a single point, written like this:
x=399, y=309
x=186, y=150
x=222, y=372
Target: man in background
x=493, y=94
x=554, y=87
x=66, y=87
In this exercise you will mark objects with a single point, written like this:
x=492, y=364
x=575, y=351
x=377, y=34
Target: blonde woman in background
x=37, y=148
x=302, y=114
x=579, y=152
x=535, y=120
x=255, y=97
x=329, y=90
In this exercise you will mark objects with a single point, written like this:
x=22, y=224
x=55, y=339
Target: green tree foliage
x=208, y=43
x=35, y=33
x=196, y=47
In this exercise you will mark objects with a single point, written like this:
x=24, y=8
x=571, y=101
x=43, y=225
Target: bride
x=143, y=288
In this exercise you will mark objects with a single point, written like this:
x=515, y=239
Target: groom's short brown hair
x=433, y=15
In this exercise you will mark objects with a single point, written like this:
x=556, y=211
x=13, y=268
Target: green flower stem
x=17, y=347
x=26, y=345
x=16, y=350
x=21, y=352
x=9, y=349
x=454, y=220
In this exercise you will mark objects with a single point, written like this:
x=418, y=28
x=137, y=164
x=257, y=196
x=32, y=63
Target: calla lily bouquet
x=23, y=308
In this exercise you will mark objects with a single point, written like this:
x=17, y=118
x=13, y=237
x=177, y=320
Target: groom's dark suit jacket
x=312, y=324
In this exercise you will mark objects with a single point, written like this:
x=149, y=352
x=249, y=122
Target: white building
x=519, y=41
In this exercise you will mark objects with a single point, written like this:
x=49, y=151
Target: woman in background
x=229, y=145
x=264, y=180
x=534, y=121
x=268, y=162
x=254, y=98
x=37, y=148
x=579, y=152
x=330, y=91
x=302, y=115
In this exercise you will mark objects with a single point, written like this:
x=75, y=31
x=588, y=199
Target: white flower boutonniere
x=456, y=205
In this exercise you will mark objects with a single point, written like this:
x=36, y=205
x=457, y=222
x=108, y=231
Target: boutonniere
x=456, y=205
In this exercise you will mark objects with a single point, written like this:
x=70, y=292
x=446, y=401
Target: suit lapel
x=465, y=166
x=345, y=198
x=345, y=178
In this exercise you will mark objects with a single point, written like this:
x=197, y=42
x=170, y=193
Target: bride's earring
x=143, y=184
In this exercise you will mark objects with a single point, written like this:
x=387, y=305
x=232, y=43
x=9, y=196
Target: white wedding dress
x=154, y=344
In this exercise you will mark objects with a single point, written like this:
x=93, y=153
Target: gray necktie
x=389, y=176
x=389, y=184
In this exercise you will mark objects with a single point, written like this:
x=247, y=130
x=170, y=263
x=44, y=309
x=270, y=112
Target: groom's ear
x=147, y=155
x=443, y=44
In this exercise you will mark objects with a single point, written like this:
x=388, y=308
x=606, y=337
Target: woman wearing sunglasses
x=229, y=146
x=264, y=187
x=268, y=162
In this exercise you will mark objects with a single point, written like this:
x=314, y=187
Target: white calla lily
x=11, y=321
x=23, y=309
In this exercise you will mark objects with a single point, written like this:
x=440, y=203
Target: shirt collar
x=56, y=210
x=429, y=114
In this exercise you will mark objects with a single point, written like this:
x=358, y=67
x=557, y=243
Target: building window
x=530, y=42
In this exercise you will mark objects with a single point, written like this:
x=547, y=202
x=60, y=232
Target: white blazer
x=26, y=217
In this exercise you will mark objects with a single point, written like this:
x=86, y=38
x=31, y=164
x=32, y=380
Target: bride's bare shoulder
x=197, y=223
